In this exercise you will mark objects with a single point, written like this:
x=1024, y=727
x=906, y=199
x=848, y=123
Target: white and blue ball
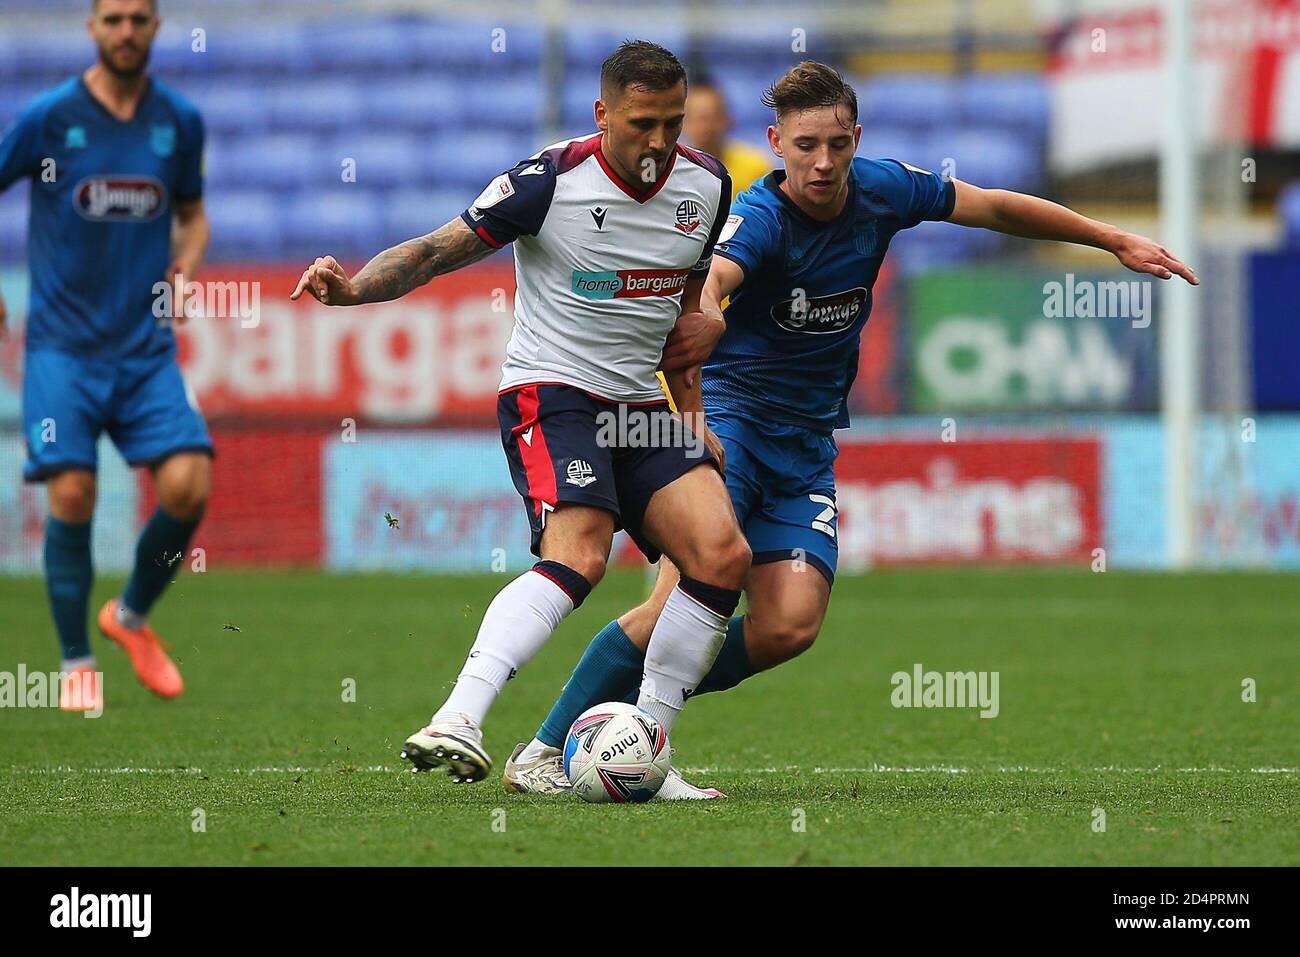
x=616, y=752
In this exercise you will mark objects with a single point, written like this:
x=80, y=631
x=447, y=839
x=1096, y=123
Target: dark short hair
x=643, y=64
x=809, y=85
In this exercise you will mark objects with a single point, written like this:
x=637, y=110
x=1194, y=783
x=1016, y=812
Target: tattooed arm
x=394, y=272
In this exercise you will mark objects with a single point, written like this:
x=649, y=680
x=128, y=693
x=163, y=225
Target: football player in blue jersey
x=798, y=259
x=115, y=162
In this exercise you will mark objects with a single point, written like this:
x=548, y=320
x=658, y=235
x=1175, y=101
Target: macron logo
x=103, y=910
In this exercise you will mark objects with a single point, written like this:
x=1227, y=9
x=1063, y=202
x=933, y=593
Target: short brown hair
x=643, y=64
x=809, y=85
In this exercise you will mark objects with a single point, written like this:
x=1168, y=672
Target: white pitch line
x=792, y=769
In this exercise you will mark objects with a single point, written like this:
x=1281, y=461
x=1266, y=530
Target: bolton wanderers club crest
x=580, y=474
x=688, y=215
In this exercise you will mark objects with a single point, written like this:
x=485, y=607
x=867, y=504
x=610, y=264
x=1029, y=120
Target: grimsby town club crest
x=688, y=215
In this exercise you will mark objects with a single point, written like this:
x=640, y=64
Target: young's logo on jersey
x=821, y=314
x=629, y=283
x=119, y=198
x=75, y=138
x=162, y=140
x=579, y=473
x=688, y=215
x=598, y=214
x=497, y=190
x=729, y=228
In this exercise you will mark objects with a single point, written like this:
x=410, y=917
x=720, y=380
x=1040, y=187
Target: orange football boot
x=80, y=690
x=147, y=652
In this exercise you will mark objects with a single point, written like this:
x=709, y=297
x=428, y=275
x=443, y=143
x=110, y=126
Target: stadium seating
x=432, y=109
x=1289, y=209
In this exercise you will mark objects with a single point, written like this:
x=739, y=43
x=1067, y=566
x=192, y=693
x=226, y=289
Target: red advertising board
x=434, y=355
x=1005, y=500
x=266, y=498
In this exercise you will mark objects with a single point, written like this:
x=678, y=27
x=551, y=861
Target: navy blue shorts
x=140, y=401
x=568, y=446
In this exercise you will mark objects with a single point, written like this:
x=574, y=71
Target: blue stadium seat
x=414, y=212
x=469, y=161
x=476, y=45
x=246, y=224
x=349, y=45
x=894, y=142
x=322, y=105
x=989, y=157
x=58, y=54
x=281, y=160
x=585, y=50
x=231, y=107
x=382, y=159
x=576, y=107
x=9, y=47
x=915, y=99
x=1288, y=207
x=743, y=90
x=278, y=52
x=13, y=222
x=416, y=102
x=1011, y=99
x=509, y=101
x=342, y=221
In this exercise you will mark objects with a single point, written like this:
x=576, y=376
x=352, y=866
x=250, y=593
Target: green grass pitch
x=1118, y=691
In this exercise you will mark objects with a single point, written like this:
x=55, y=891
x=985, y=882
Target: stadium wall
x=1002, y=493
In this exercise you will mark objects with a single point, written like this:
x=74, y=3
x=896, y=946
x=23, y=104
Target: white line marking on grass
x=790, y=769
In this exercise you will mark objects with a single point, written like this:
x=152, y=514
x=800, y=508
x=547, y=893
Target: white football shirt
x=599, y=267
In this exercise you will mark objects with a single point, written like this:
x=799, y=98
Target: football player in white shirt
x=613, y=236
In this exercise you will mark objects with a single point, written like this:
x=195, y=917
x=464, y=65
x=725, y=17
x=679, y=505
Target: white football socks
x=685, y=641
x=535, y=751
x=515, y=626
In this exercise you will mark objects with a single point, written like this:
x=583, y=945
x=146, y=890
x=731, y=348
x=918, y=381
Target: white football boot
x=457, y=743
x=676, y=788
x=543, y=776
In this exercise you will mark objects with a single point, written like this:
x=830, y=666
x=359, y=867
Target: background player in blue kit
x=798, y=257
x=115, y=161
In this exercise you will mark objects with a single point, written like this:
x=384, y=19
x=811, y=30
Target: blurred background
x=989, y=428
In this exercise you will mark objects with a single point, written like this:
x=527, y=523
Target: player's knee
x=590, y=565
x=183, y=490
x=72, y=497
x=797, y=637
x=785, y=640
x=730, y=562
x=185, y=501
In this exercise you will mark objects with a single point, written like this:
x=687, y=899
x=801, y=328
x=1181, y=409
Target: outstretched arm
x=1033, y=218
x=396, y=271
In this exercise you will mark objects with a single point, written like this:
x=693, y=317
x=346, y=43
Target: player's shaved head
x=641, y=64
x=811, y=85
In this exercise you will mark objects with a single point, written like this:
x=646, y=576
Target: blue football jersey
x=99, y=233
x=790, y=352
